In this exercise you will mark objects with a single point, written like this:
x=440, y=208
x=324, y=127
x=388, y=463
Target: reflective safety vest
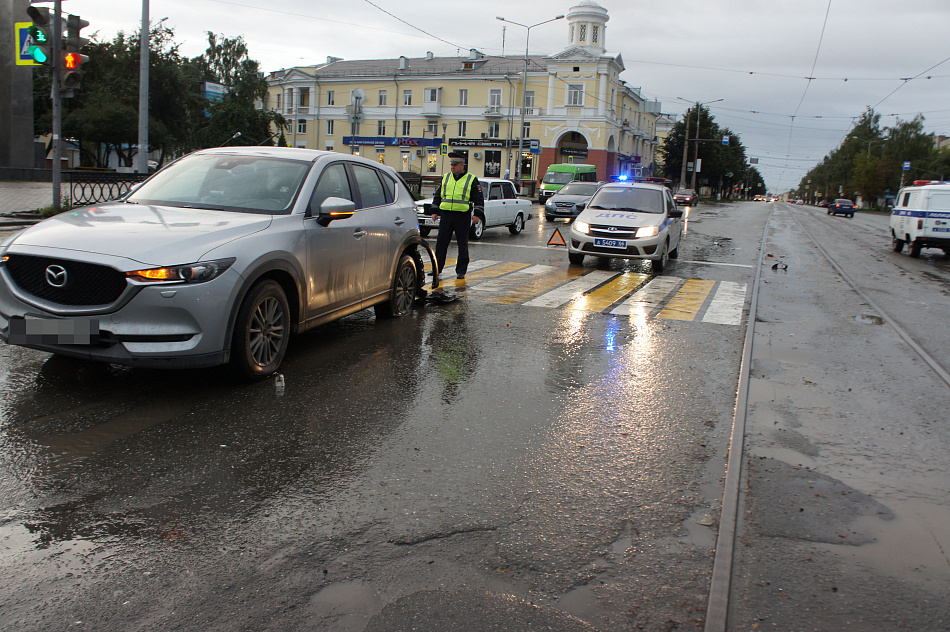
x=456, y=194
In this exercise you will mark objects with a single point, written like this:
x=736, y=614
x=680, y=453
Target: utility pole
x=57, y=96
x=141, y=158
x=685, y=153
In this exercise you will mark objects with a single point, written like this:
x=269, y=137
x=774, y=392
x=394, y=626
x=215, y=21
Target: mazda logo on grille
x=56, y=275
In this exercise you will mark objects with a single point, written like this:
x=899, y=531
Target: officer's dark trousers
x=457, y=223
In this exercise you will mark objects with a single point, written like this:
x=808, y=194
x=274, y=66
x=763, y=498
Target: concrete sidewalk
x=22, y=196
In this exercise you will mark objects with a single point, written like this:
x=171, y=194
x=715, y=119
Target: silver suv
x=216, y=259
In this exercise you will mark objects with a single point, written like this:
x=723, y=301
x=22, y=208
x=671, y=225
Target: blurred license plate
x=610, y=243
x=52, y=331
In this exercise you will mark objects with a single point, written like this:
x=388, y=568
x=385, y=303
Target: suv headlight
x=189, y=273
x=549, y=204
x=581, y=227
x=647, y=231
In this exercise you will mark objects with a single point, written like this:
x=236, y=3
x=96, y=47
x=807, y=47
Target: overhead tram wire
x=904, y=82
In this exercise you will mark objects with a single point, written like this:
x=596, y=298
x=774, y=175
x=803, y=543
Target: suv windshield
x=627, y=199
x=579, y=188
x=249, y=184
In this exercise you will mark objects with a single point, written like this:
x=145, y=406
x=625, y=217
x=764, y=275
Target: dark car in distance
x=570, y=200
x=686, y=197
x=841, y=207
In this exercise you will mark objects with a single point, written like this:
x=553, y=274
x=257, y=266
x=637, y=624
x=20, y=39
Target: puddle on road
x=915, y=546
x=869, y=319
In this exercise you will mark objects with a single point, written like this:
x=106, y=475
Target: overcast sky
x=755, y=55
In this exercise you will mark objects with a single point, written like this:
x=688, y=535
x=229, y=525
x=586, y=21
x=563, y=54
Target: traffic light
x=70, y=72
x=41, y=36
x=74, y=42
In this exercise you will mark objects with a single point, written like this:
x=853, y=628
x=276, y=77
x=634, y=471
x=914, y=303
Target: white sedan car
x=503, y=207
x=628, y=221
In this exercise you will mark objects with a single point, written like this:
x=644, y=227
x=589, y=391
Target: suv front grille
x=84, y=283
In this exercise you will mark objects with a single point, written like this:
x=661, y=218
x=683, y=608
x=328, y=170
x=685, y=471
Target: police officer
x=455, y=198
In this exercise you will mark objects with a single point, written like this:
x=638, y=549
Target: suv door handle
x=399, y=221
x=359, y=232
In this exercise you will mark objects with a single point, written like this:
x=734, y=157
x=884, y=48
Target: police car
x=628, y=221
x=921, y=217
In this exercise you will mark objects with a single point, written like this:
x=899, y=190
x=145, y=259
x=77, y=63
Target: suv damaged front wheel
x=402, y=294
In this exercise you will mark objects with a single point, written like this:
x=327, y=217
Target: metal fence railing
x=92, y=188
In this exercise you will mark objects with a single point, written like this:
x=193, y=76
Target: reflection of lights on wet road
x=686, y=219
x=610, y=334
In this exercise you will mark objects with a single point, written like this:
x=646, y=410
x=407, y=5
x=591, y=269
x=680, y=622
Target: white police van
x=921, y=217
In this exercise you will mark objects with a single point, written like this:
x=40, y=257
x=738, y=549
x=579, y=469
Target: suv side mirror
x=676, y=212
x=335, y=208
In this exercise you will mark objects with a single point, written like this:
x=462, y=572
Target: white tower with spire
x=586, y=24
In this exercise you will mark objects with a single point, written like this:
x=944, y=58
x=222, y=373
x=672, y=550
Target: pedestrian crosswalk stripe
x=635, y=295
x=533, y=287
x=648, y=298
x=608, y=294
x=513, y=280
x=564, y=294
x=688, y=300
x=726, y=306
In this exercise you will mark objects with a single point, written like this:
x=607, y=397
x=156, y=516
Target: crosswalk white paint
x=567, y=292
x=726, y=306
x=605, y=291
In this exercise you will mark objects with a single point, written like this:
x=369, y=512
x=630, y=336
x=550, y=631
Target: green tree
x=226, y=62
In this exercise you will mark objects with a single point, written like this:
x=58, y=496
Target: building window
x=278, y=100
x=575, y=94
x=330, y=128
x=431, y=95
x=405, y=128
x=582, y=33
x=529, y=99
x=571, y=39
x=380, y=128
x=407, y=97
x=382, y=97
x=302, y=126
x=330, y=98
x=494, y=98
x=463, y=96
x=526, y=130
x=462, y=128
x=594, y=32
x=494, y=127
x=433, y=128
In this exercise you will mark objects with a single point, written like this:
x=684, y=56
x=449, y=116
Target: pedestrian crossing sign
x=24, y=41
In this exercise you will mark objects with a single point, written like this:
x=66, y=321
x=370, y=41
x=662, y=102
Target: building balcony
x=431, y=108
x=494, y=111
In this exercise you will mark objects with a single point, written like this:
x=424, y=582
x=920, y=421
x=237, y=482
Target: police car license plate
x=610, y=243
x=54, y=331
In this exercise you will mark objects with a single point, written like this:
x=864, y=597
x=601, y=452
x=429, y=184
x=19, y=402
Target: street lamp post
x=524, y=88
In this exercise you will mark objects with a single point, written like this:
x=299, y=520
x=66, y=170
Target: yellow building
x=401, y=111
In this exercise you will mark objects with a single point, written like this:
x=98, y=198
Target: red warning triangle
x=556, y=239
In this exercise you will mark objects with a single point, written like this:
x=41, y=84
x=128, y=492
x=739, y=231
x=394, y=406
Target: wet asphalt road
x=482, y=465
